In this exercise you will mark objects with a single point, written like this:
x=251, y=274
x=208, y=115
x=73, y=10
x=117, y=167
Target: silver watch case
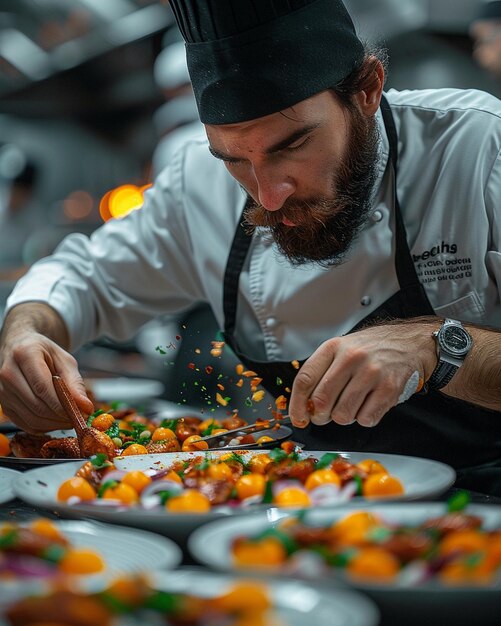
x=453, y=344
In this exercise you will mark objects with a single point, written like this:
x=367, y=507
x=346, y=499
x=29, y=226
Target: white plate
x=7, y=477
x=124, y=550
x=39, y=487
x=431, y=603
x=123, y=389
x=294, y=603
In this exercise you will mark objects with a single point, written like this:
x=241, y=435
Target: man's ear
x=370, y=96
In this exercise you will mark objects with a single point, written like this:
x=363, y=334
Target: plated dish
x=457, y=578
x=33, y=554
x=202, y=599
x=133, y=433
x=420, y=478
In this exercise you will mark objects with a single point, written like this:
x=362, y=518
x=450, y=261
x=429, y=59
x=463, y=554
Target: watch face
x=454, y=340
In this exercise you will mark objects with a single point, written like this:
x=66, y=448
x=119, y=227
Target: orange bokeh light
x=120, y=201
x=78, y=205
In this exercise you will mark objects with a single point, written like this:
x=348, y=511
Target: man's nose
x=273, y=190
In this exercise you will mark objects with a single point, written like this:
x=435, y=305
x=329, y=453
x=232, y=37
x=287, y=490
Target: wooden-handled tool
x=90, y=440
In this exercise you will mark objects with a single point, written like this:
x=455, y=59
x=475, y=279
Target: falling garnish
x=281, y=403
x=295, y=364
x=217, y=348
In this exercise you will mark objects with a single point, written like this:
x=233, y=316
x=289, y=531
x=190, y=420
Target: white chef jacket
x=172, y=253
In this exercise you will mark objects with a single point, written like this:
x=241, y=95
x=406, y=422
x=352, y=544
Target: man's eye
x=303, y=143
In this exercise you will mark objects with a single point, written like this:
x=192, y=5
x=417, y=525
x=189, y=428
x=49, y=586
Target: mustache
x=301, y=213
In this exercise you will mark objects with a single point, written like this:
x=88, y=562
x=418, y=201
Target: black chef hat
x=250, y=58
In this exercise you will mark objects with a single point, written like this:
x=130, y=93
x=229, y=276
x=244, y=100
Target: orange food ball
x=133, y=449
x=250, y=485
x=219, y=431
x=322, y=477
x=244, y=597
x=264, y=439
x=220, y=471
x=81, y=561
x=259, y=462
x=172, y=476
x=463, y=541
x=462, y=572
x=292, y=496
x=46, y=528
x=353, y=529
x=4, y=445
x=193, y=443
x=163, y=434
x=137, y=480
x=103, y=421
x=382, y=485
x=189, y=501
x=78, y=487
x=123, y=493
x=370, y=466
x=375, y=564
x=269, y=552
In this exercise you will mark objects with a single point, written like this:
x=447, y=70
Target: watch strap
x=442, y=375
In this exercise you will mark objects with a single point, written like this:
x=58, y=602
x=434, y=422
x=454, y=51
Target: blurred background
x=94, y=100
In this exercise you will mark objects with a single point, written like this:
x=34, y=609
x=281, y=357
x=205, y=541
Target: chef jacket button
x=271, y=322
x=377, y=215
x=365, y=301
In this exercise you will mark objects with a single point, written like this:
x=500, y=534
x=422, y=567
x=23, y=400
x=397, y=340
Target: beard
x=324, y=228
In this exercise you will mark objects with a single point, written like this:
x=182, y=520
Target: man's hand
x=30, y=353
x=360, y=377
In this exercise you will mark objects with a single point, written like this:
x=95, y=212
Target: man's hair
x=363, y=76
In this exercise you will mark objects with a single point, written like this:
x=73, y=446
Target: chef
x=348, y=241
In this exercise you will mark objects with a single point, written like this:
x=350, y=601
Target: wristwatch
x=453, y=344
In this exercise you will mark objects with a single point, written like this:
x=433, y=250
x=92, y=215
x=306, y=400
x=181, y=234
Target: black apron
x=430, y=425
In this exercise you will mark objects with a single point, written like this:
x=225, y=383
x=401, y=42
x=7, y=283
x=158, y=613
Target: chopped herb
x=9, y=539
x=458, y=502
x=474, y=559
x=358, y=481
x=379, y=534
x=93, y=416
x=54, y=553
x=100, y=460
x=203, y=465
x=171, y=424
x=326, y=460
x=163, y=602
x=118, y=404
x=108, y=484
x=277, y=455
x=339, y=559
x=160, y=350
x=166, y=495
x=210, y=428
x=113, y=430
x=113, y=603
x=286, y=540
x=279, y=381
x=268, y=493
